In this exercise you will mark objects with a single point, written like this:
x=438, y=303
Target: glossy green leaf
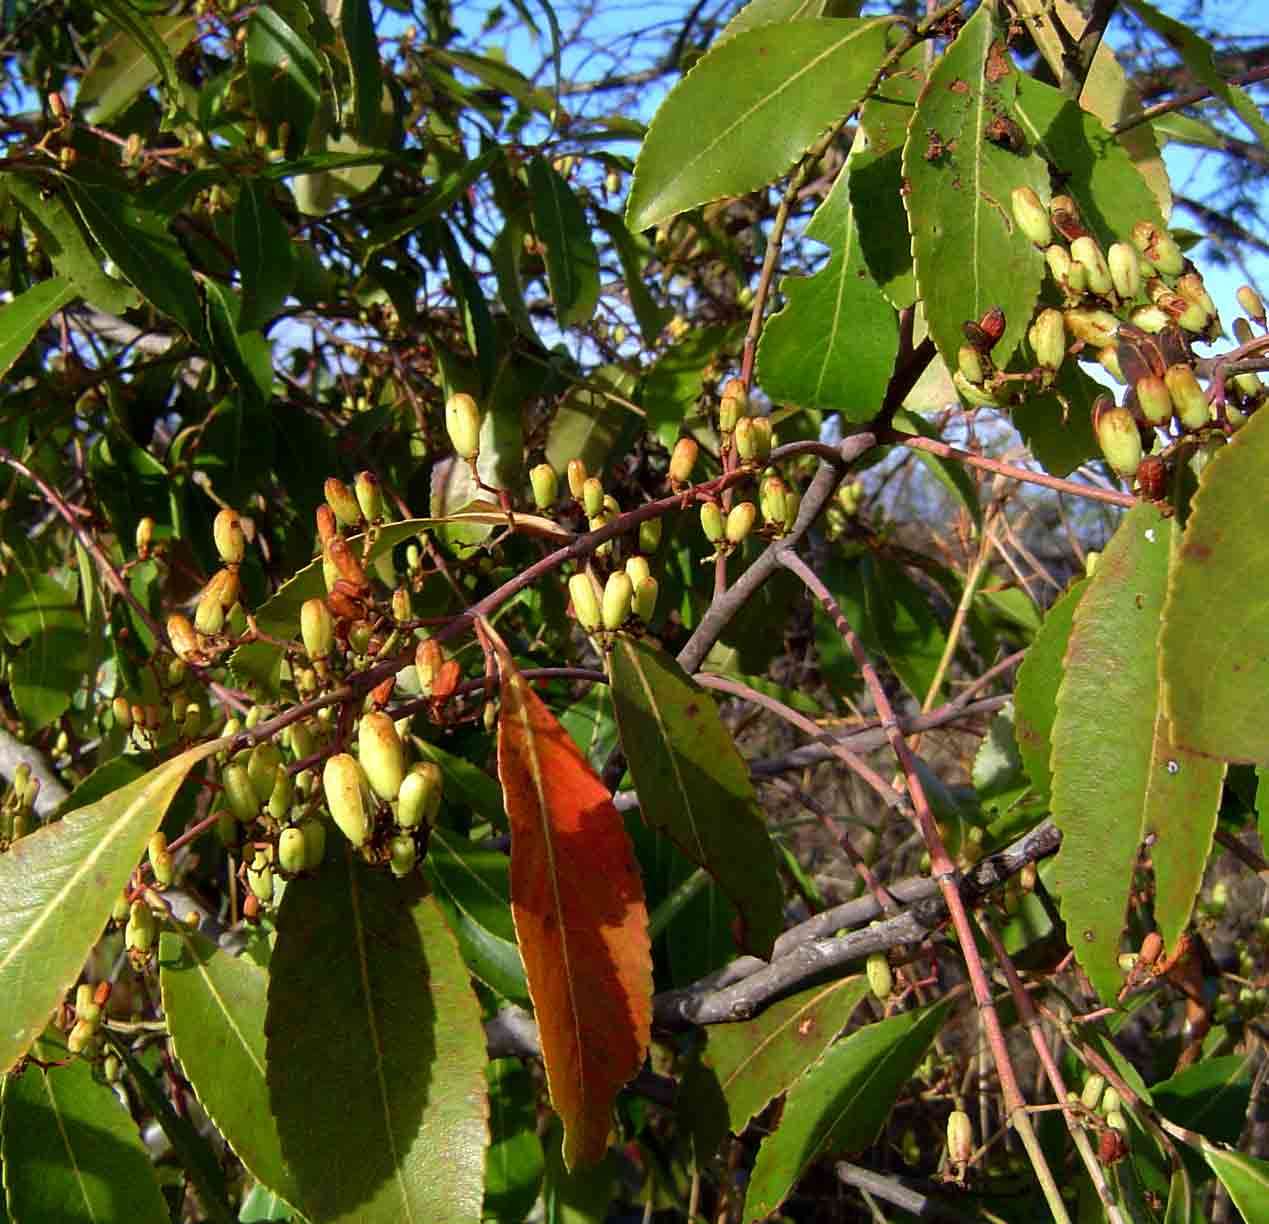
x=125, y=64
x=693, y=784
x=356, y=24
x=843, y=1100
x=21, y=318
x=498, y=75
x=157, y=42
x=67, y=247
x=970, y=256
x=833, y=343
x=466, y=784
x=1181, y=1208
x=265, y=255
x=376, y=1052
x=215, y=1007
x=1210, y=1097
x=1199, y=56
x=261, y=1206
x=70, y=1151
x=516, y=1161
x=143, y=249
x=572, y=263
x=1246, y=1179
x=589, y=424
x=767, y=12
x=284, y=73
x=1057, y=426
x=60, y=883
x=1218, y=583
x=1035, y=697
x=472, y=886
x=749, y=109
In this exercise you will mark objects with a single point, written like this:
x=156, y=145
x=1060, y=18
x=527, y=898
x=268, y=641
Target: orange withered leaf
x=580, y=917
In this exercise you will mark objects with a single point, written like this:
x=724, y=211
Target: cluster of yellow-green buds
x=219, y=610
x=631, y=591
x=18, y=805
x=85, y=1035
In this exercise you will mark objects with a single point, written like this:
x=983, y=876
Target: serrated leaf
x=516, y=1161
x=572, y=263
x=70, y=1151
x=215, y=1007
x=265, y=255
x=833, y=343
x=580, y=918
x=23, y=317
x=960, y=169
x=693, y=784
x=843, y=1100
x=1035, y=696
x=1209, y=694
x=60, y=884
x=124, y=64
x=1246, y=1179
x=376, y=1052
x=752, y=105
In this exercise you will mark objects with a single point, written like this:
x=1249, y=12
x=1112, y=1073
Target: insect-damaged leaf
x=580, y=917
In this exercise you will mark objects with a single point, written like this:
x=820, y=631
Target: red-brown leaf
x=580, y=917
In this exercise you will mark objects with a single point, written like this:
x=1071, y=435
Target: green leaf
x=215, y=1007
x=70, y=1151
x=1246, y=1179
x=674, y=383
x=66, y=245
x=833, y=343
x=998, y=774
x=21, y=318
x=516, y=1161
x=572, y=263
x=1199, y=56
x=589, y=424
x=1210, y=1097
x=843, y=1100
x=767, y=12
x=138, y=241
x=45, y=675
x=284, y=74
x=1035, y=696
x=472, y=886
x=969, y=254
x=265, y=255
x=60, y=884
x=261, y=1206
x=633, y=254
x=126, y=63
x=376, y=1052
x=356, y=23
x=749, y=109
x=583, y=1196
x=1181, y=1207
x=693, y=784
x=450, y=187
x=1057, y=426
x=500, y=76
x=475, y=788
x=1220, y=571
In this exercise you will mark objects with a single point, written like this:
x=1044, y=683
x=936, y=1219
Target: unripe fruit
x=581, y=590
x=369, y=495
x=345, y=785
x=650, y=535
x=1116, y=1121
x=1158, y=248
x=638, y=569
x=960, y=1137
x=299, y=738
x=592, y=496
x=576, y=477
x=880, y=975
x=231, y=544
x=160, y=860
x=1094, y=327
x=140, y=933
x=419, y=799
x=382, y=754
x=121, y=908
x=545, y=484
x=712, y=522
x=182, y=636
x=341, y=500
x=1048, y=338
x=317, y=628
x=683, y=460
x=1125, y=270
x=618, y=594
x=428, y=660
x=1188, y=398
x=969, y=361
x=1094, y=1086
x=240, y=794
x=645, y=599
x=1154, y=400
x=1251, y=304
x=262, y=770
x=1117, y=435
x=403, y=854
x=1086, y=252
x=462, y=422
x=1031, y=215
x=292, y=851
x=145, y=537
x=740, y=521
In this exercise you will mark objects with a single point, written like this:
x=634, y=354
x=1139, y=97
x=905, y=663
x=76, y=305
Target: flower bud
x=1252, y=305
x=731, y=411
x=1094, y=1086
x=960, y=1137
x=260, y=876
x=1031, y=215
x=240, y=794
x=145, y=537
x=1150, y=319
x=638, y=569
x=342, y=502
x=650, y=535
x=1158, y=248
x=428, y=660
x=419, y=800
x=618, y=595
x=1117, y=435
x=262, y=768
x=292, y=852
x=140, y=933
x=880, y=975
x=771, y=496
x=317, y=628
x=1125, y=270
x=592, y=496
x=1048, y=338
x=403, y=854
x=369, y=496
x=683, y=460
x=740, y=521
x=209, y=616
x=299, y=738
x=160, y=860
x=644, y=604
x=314, y=843
x=231, y=544
x=182, y=636
x=1058, y=257
x=1086, y=251
x=282, y=795
x=1188, y=398
x=577, y=474
x=382, y=754
x=763, y=438
x=1109, y=358
x=792, y=504
x=969, y=361
x=1153, y=399
x=345, y=785
x=122, y=712
x=581, y=590
x=545, y=484
x=712, y=521
x=1097, y=328
x=462, y=421
x=82, y=1039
